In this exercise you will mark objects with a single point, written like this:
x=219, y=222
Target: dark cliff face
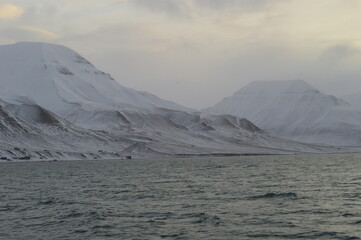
x=9, y=123
x=34, y=114
x=246, y=124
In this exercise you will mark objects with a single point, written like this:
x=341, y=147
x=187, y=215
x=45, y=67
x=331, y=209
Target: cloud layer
x=206, y=49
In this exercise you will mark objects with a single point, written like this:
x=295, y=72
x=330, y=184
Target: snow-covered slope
x=28, y=131
x=354, y=100
x=58, y=78
x=295, y=110
x=55, y=104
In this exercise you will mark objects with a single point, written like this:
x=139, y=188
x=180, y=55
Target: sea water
x=259, y=197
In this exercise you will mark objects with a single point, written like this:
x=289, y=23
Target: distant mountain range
x=295, y=110
x=54, y=104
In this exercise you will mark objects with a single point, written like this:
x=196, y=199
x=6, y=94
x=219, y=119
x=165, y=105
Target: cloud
x=28, y=33
x=185, y=45
x=339, y=52
x=40, y=32
x=247, y=5
x=174, y=8
x=10, y=11
x=189, y=7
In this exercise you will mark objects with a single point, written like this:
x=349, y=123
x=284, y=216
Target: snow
x=58, y=78
x=354, y=100
x=277, y=87
x=295, y=110
x=54, y=104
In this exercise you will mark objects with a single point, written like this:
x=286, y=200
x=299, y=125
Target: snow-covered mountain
x=293, y=109
x=354, y=100
x=56, y=104
x=57, y=78
x=28, y=130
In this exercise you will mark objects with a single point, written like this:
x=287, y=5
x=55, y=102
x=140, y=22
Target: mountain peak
x=40, y=45
x=277, y=87
x=36, y=46
x=31, y=53
x=35, y=43
x=56, y=77
x=295, y=110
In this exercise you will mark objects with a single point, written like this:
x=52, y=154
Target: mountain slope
x=30, y=131
x=56, y=77
x=55, y=100
x=354, y=100
x=295, y=110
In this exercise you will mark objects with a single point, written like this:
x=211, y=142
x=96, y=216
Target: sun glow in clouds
x=10, y=11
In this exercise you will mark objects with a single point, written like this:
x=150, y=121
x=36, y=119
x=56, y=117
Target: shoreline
x=178, y=156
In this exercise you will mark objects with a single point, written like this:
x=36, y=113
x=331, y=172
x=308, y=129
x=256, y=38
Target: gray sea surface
x=259, y=197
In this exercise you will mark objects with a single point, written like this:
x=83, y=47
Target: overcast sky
x=195, y=52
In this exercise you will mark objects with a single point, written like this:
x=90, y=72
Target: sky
x=196, y=52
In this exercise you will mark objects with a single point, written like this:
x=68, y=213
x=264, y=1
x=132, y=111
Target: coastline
x=179, y=156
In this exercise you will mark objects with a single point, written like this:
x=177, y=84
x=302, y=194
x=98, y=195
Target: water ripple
x=260, y=197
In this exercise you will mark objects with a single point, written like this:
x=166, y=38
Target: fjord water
x=259, y=197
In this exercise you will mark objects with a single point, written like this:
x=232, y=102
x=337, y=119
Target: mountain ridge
x=277, y=86
x=53, y=76
x=295, y=110
x=56, y=104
